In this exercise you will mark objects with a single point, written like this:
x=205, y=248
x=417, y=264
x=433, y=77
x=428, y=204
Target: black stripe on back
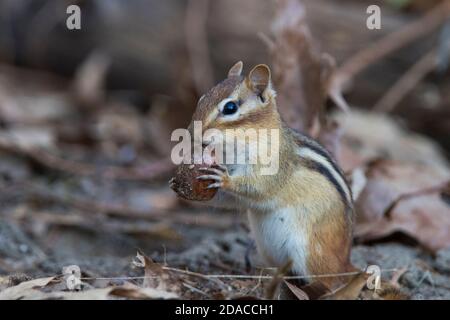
x=323, y=152
x=305, y=141
x=325, y=172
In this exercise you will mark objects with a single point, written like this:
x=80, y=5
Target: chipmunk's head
x=239, y=102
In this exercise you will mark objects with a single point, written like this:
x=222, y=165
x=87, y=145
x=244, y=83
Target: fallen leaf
x=155, y=275
x=426, y=218
x=301, y=73
x=4, y=282
x=406, y=198
x=349, y=291
x=362, y=142
x=24, y=289
x=299, y=293
x=134, y=292
x=315, y=290
x=92, y=294
x=128, y=291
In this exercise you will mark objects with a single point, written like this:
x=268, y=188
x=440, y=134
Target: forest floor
x=38, y=241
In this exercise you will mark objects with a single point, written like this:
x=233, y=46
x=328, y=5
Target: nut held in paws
x=187, y=186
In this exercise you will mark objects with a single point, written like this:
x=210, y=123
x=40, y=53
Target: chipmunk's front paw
x=218, y=173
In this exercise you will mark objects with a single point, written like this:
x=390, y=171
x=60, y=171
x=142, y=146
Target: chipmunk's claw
x=212, y=170
x=172, y=183
x=215, y=185
x=210, y=177
x=217, y=173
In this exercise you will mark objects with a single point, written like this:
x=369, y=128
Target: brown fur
x=297, y=183
x=216, y=94
x=332, y=235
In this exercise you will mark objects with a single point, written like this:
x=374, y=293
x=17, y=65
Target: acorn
x=187, y=186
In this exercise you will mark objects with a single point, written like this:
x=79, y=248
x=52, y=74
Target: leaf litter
x=82, y=183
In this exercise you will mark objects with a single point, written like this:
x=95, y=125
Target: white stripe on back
x=310, y=154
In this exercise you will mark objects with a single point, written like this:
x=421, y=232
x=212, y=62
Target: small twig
x=198, y=275
x=258, y=283
x=244, y=276
x=407, y=82
x=192, y=288
x=216, y=277
x=277, y=279
x=236, y=276
x=390, y=43
x=118, y=278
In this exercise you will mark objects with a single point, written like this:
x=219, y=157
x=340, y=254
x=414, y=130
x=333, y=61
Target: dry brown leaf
x=315, y=290
x=4, y=282
x=302, y=75
x=29, y=290
x=349, y=291
x=25, y=289
x=404, y=198
x=362, y=142
x=134, y=292
x=426, y=218
x=93, y=294
x=301, y=72
x=126, y=291
x=299, y=293
x=155, y=275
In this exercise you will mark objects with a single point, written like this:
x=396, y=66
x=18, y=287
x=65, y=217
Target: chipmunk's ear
x=259, y=78
x=236, y=70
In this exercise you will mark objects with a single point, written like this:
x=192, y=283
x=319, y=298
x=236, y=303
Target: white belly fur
x=279, y=237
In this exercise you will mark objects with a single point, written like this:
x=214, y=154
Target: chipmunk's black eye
x=229, y=108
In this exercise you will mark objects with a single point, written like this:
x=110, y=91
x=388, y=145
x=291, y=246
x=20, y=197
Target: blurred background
x=86, y=117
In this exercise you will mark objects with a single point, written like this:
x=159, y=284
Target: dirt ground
x=39, y=241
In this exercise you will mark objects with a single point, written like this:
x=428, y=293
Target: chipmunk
x=304, y=212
